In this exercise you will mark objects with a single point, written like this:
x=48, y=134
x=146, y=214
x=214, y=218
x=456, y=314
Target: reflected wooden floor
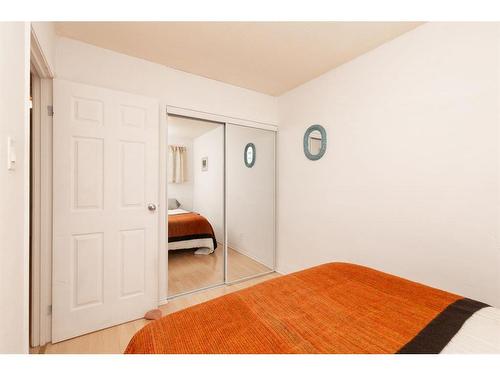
x=187, y=271
x=114, y=340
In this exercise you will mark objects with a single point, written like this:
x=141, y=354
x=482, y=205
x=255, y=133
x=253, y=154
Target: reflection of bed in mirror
x=190, y=230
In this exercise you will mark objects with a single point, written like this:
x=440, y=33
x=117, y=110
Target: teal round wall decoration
x=315, y=142
x=249, y=155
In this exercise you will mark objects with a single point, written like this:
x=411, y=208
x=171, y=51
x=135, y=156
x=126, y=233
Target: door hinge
x=49, y=309
x=50, y=110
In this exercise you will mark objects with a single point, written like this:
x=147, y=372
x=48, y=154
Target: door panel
x=88, y=251
x=87, y=172
x=105, y=239
x=133, y=253
x=132, y=174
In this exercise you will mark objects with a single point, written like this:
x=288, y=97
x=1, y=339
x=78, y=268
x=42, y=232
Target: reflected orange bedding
x=189, y=226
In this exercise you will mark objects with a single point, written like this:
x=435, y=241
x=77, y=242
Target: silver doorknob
x=152, y=207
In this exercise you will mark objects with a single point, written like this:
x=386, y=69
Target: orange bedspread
x=332, y=308
x=189, y=226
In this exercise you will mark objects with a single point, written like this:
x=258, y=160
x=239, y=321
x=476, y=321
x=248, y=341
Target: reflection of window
x=249, y=155
x=314, y=145
x=176, y=164
x=314, y=142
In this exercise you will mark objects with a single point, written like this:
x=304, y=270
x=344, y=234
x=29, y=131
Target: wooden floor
x=115, y=339
x=187, y=271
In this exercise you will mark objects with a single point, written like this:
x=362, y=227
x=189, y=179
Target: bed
x=332, y=308
x=190, y=230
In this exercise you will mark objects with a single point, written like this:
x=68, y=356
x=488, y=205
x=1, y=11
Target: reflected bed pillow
x=173, y=204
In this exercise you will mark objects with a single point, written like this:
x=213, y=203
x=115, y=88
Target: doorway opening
x=40, y=197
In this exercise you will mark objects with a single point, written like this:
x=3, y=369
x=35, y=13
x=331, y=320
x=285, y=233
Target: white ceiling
x=269, y=57
x=183, y=127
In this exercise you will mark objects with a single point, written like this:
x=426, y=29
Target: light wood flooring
x=114, y=340
x=187, y=271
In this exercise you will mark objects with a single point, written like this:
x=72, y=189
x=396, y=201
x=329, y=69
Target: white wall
x=80, y=62
x=183, y=192
x=250, y=194
x=410, y=180
x=208, y=186
x=14, y=193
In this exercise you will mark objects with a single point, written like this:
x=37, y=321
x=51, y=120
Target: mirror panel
x=195, y=204
x=250, y=201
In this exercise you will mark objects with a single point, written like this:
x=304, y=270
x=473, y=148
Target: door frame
x=163, y=254
x=41, y=193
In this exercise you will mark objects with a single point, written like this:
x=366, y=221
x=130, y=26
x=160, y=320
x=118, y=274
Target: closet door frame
x=163, y=255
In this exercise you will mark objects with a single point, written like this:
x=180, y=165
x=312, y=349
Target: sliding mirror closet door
x=195, y=193
x=250, y=216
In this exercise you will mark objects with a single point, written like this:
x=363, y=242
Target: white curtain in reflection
x=176, y=164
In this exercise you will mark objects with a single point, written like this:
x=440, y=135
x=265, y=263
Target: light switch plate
x=11, y=154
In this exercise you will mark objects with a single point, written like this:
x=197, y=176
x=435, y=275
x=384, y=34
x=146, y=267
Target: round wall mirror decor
x=249, y=155
x=315, y=142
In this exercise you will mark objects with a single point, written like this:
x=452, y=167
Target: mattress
x=187, y=230
x=332, y=308
x=177, y=211
x=480, y=334
x=192, y=244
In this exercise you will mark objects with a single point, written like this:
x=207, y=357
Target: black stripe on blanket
x=438, y=333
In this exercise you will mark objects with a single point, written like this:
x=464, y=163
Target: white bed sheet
x=177, y=211
x=191, y=244
x=480, y=334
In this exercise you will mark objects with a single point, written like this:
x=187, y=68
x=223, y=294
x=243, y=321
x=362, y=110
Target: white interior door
x=105, y=260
